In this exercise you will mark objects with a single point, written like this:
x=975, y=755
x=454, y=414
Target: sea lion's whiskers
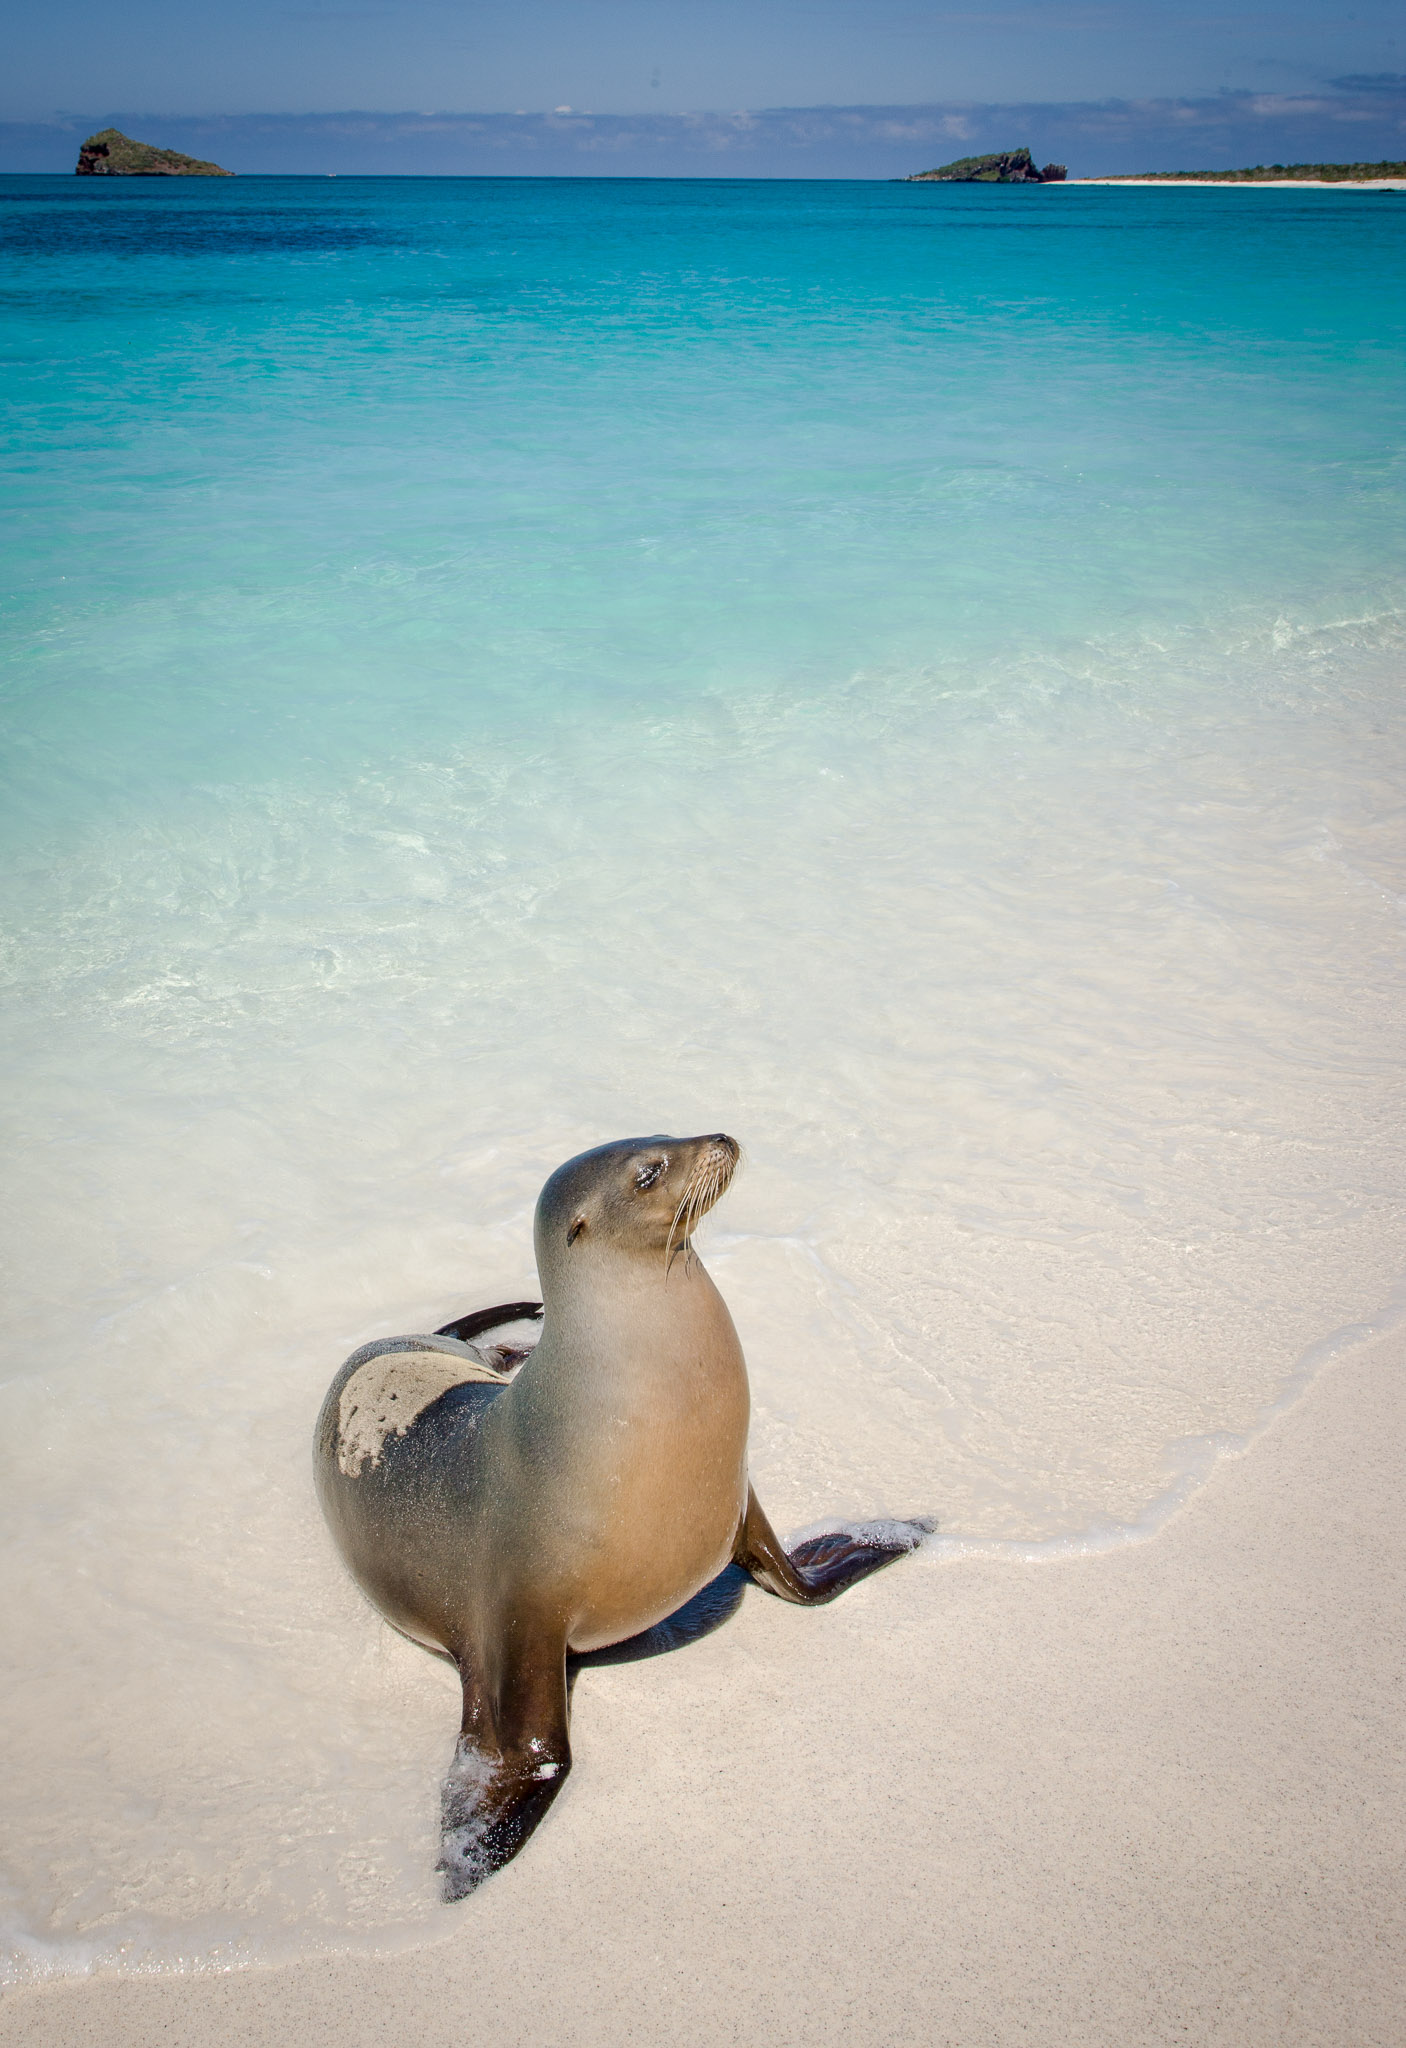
x=689, y=1211
x=708, y=1182
x=669, y=1242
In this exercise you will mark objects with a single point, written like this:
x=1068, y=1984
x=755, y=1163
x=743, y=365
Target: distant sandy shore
x=1260, y=184
x=1145, y=1797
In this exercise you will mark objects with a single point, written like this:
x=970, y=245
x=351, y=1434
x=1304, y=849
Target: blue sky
x=763, y=88
x=667, y=56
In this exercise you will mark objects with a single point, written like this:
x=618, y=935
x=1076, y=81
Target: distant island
x=1006, y=167
x=111, y=154
x=1262, y=174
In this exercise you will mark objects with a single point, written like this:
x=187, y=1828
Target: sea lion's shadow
x=718, y=1601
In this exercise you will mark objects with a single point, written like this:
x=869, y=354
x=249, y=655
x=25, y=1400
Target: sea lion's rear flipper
x=466, y=1328
x=816, y=1570
x=512, y=1758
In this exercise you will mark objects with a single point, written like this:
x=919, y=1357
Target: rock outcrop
x=111, y=154
x=1006, y=167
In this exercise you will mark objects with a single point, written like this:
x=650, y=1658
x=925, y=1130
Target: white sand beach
x=1151, y=1795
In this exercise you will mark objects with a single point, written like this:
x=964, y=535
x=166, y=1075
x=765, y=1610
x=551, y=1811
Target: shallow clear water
x=910, y=676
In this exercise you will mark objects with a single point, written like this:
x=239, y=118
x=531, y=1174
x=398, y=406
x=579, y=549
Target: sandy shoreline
x=1147, y=1796
x=1259, y=184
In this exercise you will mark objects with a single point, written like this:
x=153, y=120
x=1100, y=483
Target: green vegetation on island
x=1267, y=174
x=111, y=154
x=1005, y=167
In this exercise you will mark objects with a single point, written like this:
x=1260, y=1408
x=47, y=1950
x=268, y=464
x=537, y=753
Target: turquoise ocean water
x=909, y=675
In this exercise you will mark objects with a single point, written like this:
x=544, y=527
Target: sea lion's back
x=393, y=1445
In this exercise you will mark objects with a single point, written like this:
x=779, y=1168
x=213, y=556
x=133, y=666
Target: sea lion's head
x=638, y=1196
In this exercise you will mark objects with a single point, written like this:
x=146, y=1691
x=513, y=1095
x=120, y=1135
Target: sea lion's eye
x=575, y=1231
x=648, y=1175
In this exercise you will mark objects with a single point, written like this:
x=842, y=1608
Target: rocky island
x=1005, y=167
x=111, y=154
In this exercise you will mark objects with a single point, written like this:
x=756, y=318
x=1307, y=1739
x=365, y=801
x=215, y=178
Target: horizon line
x=1385, y=85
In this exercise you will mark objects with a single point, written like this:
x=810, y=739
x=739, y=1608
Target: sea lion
x=509, y=1521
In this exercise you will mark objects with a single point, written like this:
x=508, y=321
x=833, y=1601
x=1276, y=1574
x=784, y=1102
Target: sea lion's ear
x=575, y=1231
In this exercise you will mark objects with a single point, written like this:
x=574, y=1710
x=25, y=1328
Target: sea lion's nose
x=726, y=1144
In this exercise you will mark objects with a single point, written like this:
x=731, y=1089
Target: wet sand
x=1153, y=1795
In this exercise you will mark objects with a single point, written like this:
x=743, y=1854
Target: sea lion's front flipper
x=816, y=1570
x=511, y=1761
